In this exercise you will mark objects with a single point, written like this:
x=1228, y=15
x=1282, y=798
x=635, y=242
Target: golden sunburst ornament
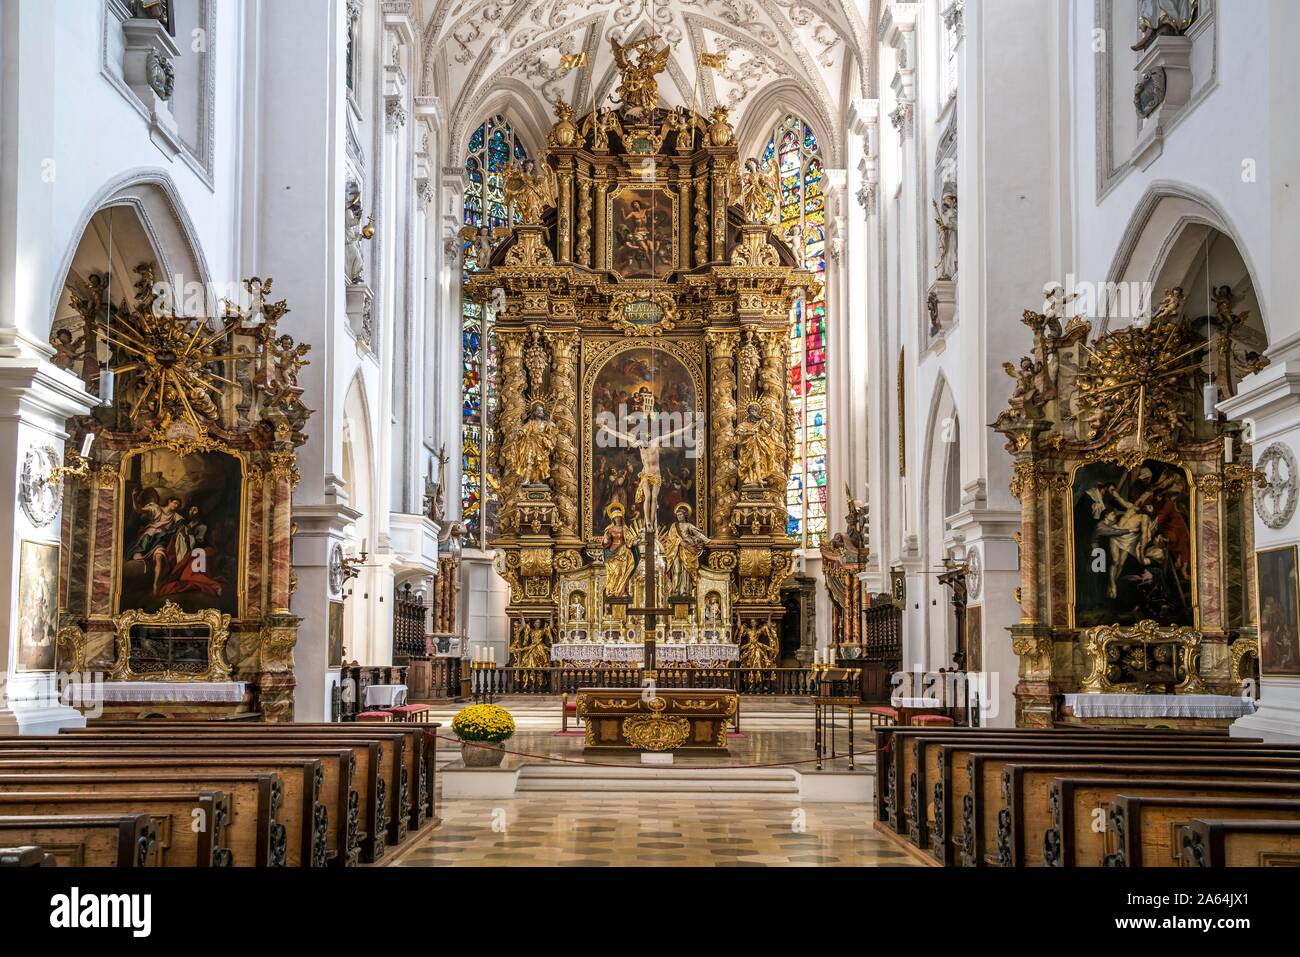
x=175, y=360
x=1133, y=388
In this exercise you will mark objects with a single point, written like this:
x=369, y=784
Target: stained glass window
x=490, y=148
x=801, y=210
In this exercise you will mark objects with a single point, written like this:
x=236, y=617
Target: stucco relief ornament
x=161, y=74
x=974, y=572
x=336, y=569
x=40, y=498
x=1275, y=501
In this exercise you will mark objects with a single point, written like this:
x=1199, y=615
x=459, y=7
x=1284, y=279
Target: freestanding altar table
x=678, y=719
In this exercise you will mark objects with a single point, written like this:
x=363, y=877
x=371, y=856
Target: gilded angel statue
x=639, y=89
x=530, y=191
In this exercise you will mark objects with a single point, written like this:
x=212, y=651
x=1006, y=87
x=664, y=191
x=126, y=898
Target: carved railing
x=409, y=614
x=769, y=682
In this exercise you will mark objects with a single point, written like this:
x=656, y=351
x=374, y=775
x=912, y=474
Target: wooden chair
x=568, y=709
x=381, y=717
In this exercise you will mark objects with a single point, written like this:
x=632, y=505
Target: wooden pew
x=1233, y=843
x=179, y=844
x=248, y=829
x=897, y=747
x=421, y=748
x=1143, y=830
x=346, y=763
x=87, y=840
x=300, y=835
x=898, y=770
x=1071, y=841
x=939, y=764
x=993, y=810
x=333, y=792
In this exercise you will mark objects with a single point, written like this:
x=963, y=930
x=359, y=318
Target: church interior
x=556, y=433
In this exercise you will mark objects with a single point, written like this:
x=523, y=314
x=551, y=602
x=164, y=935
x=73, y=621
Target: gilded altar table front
x=682, y=719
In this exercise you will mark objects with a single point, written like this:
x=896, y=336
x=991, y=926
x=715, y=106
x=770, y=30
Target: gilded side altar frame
x=217, y=623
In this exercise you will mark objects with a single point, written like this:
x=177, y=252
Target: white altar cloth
x=130, y=692
x=1160, y=705
x=591, y=653
x=385, y=696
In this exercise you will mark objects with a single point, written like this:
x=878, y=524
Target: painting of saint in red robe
x=181, y=522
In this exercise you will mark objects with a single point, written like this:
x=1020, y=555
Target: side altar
x=644, y=435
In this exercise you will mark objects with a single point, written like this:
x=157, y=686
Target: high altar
x=642, y=311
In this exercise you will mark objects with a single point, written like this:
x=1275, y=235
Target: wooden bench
x=993, y=810
x=300, y=832
x=179, y=842
x=25, y=857
x=900, y=748
x=892, y=811
x=352, y=792
x=1072, y=840
x=87, y=840
x=1233, y=843
x=333, y=792
x=939, y=763
x=1143, y=830
x=421, y=749
x=252, y=812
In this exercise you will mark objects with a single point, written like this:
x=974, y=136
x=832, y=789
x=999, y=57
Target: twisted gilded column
x=510, y=416
x=564, y=472
x=774, y=399
x=722, y=351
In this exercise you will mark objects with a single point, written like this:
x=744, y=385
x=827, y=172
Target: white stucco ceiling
x=483, y=55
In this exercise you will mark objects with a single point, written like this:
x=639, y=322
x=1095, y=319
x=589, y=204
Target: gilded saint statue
x=530, y=647
x=682, y=545
x=530, y=188
x=527, y=451
x=620, y=560
x=757, y=645
x=753, y=187
x=761, y=453
x=639, y=90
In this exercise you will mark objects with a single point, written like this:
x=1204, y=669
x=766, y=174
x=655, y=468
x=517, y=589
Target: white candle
x=1227, y=449
x=86, y=443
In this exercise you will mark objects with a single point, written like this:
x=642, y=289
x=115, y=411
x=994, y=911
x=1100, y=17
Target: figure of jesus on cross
x=649, y=445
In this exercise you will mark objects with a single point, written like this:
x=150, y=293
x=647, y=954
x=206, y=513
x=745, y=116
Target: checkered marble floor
x=553, y=830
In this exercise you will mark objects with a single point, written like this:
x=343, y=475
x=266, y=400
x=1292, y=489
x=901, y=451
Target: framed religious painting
x=336, y=634
x=1279, y=611
x=1132, y=545
x=38, y=606
x=641, y=232
x=183, y=526
x=619, y=393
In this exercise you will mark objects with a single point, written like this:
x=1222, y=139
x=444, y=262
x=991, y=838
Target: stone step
x=658, y=780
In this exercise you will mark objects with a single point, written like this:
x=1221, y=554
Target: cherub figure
x=1026, y=396
x=287, y=361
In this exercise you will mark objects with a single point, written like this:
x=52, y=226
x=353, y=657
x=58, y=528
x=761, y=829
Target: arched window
x=491, y=147
x=793, y=149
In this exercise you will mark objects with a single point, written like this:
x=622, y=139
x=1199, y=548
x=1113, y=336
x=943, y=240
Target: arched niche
x=141, y=216
x=941, y=497
x=1180, y=236
x=359, y=484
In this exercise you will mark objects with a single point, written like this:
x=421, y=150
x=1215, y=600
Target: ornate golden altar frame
x=217, y=623
x=723, y=313
x=1127, y=404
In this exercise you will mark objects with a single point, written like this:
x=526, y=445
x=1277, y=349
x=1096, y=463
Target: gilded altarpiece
x=642, y=278
x=180, y=512
x=1135, y=511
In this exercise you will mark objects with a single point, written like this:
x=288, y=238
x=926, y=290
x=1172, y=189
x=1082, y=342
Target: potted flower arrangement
x=484, y=723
